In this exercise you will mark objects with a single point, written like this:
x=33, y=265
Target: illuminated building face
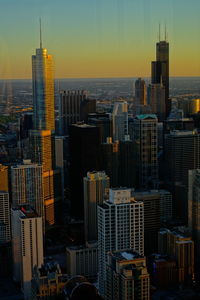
x=43, y=90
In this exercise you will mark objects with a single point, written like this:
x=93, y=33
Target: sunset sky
x=99, y=38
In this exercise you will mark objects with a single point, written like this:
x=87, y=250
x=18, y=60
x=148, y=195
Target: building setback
x=127, y=276
x=120, y=226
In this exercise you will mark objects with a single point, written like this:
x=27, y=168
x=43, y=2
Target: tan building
x=127, y=276
x=83, y=260
x=163, y=270
x=156, y=99
x=48, y=281
x=180, y=245
x=3, y=178
x=140, y=95
x=96, y=184
x=27, y=245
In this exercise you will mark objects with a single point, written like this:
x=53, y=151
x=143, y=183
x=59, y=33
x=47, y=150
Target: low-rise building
x=83, y=260
x=48, y=281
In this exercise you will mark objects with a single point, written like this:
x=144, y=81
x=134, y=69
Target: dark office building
x=152, y=224
x=74, y=106
x=160, y=70
x=118, y=161
x=87, y=106
x=110, y=160
x=127, y=168
x=182, y=153
x=26, y=124
x=145, y=139
x=84, y=147
x=178, y=124
x=104, y=122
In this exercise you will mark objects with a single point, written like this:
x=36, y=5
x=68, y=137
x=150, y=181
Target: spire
x=165, y=32
x=40, y=34
x=159, y=33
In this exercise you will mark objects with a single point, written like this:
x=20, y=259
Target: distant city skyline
x=99, y=39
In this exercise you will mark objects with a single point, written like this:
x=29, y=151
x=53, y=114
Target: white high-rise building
x=120, y=120
x=5, y=234
x=120, y=226
x=27, y=245
x=26, y=180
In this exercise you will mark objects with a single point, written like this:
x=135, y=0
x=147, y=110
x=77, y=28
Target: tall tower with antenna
x=42, y=137
x=43, y=88
x=160, y=67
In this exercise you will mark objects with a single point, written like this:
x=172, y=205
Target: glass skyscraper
x=43, y=90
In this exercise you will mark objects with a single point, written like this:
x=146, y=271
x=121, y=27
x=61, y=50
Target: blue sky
x=99, y=38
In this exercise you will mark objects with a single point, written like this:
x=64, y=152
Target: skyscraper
x=73, y=107
x=160, y=70
x=27, y=245
x=151, y=201
x=140, y=95
x=84, y=144
x=120, y=226
x=110, y=160
x=120, y=120
x=145, y=138
x=104, y=122
x=5, y=234
x=156, y=99
x=95, y=186
x=43, y=89
x=127, y=276
x=26, y=181
x=42, y=148
x=194, y=208
x=182, y=153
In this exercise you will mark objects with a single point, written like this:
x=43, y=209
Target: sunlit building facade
x=3, y=178
x=43, y=90
x=95, y=186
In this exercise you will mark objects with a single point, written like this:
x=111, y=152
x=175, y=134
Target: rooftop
x=146, y=116
x=28, y=211
x=125, y=255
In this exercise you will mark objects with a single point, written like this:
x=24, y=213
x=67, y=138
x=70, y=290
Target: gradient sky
x=99, y=38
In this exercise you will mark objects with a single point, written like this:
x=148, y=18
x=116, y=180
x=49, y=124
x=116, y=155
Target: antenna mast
x=159, y=33
x=40, y=34
x=165, y=32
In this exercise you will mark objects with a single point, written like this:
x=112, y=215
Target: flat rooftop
x=125, y=255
